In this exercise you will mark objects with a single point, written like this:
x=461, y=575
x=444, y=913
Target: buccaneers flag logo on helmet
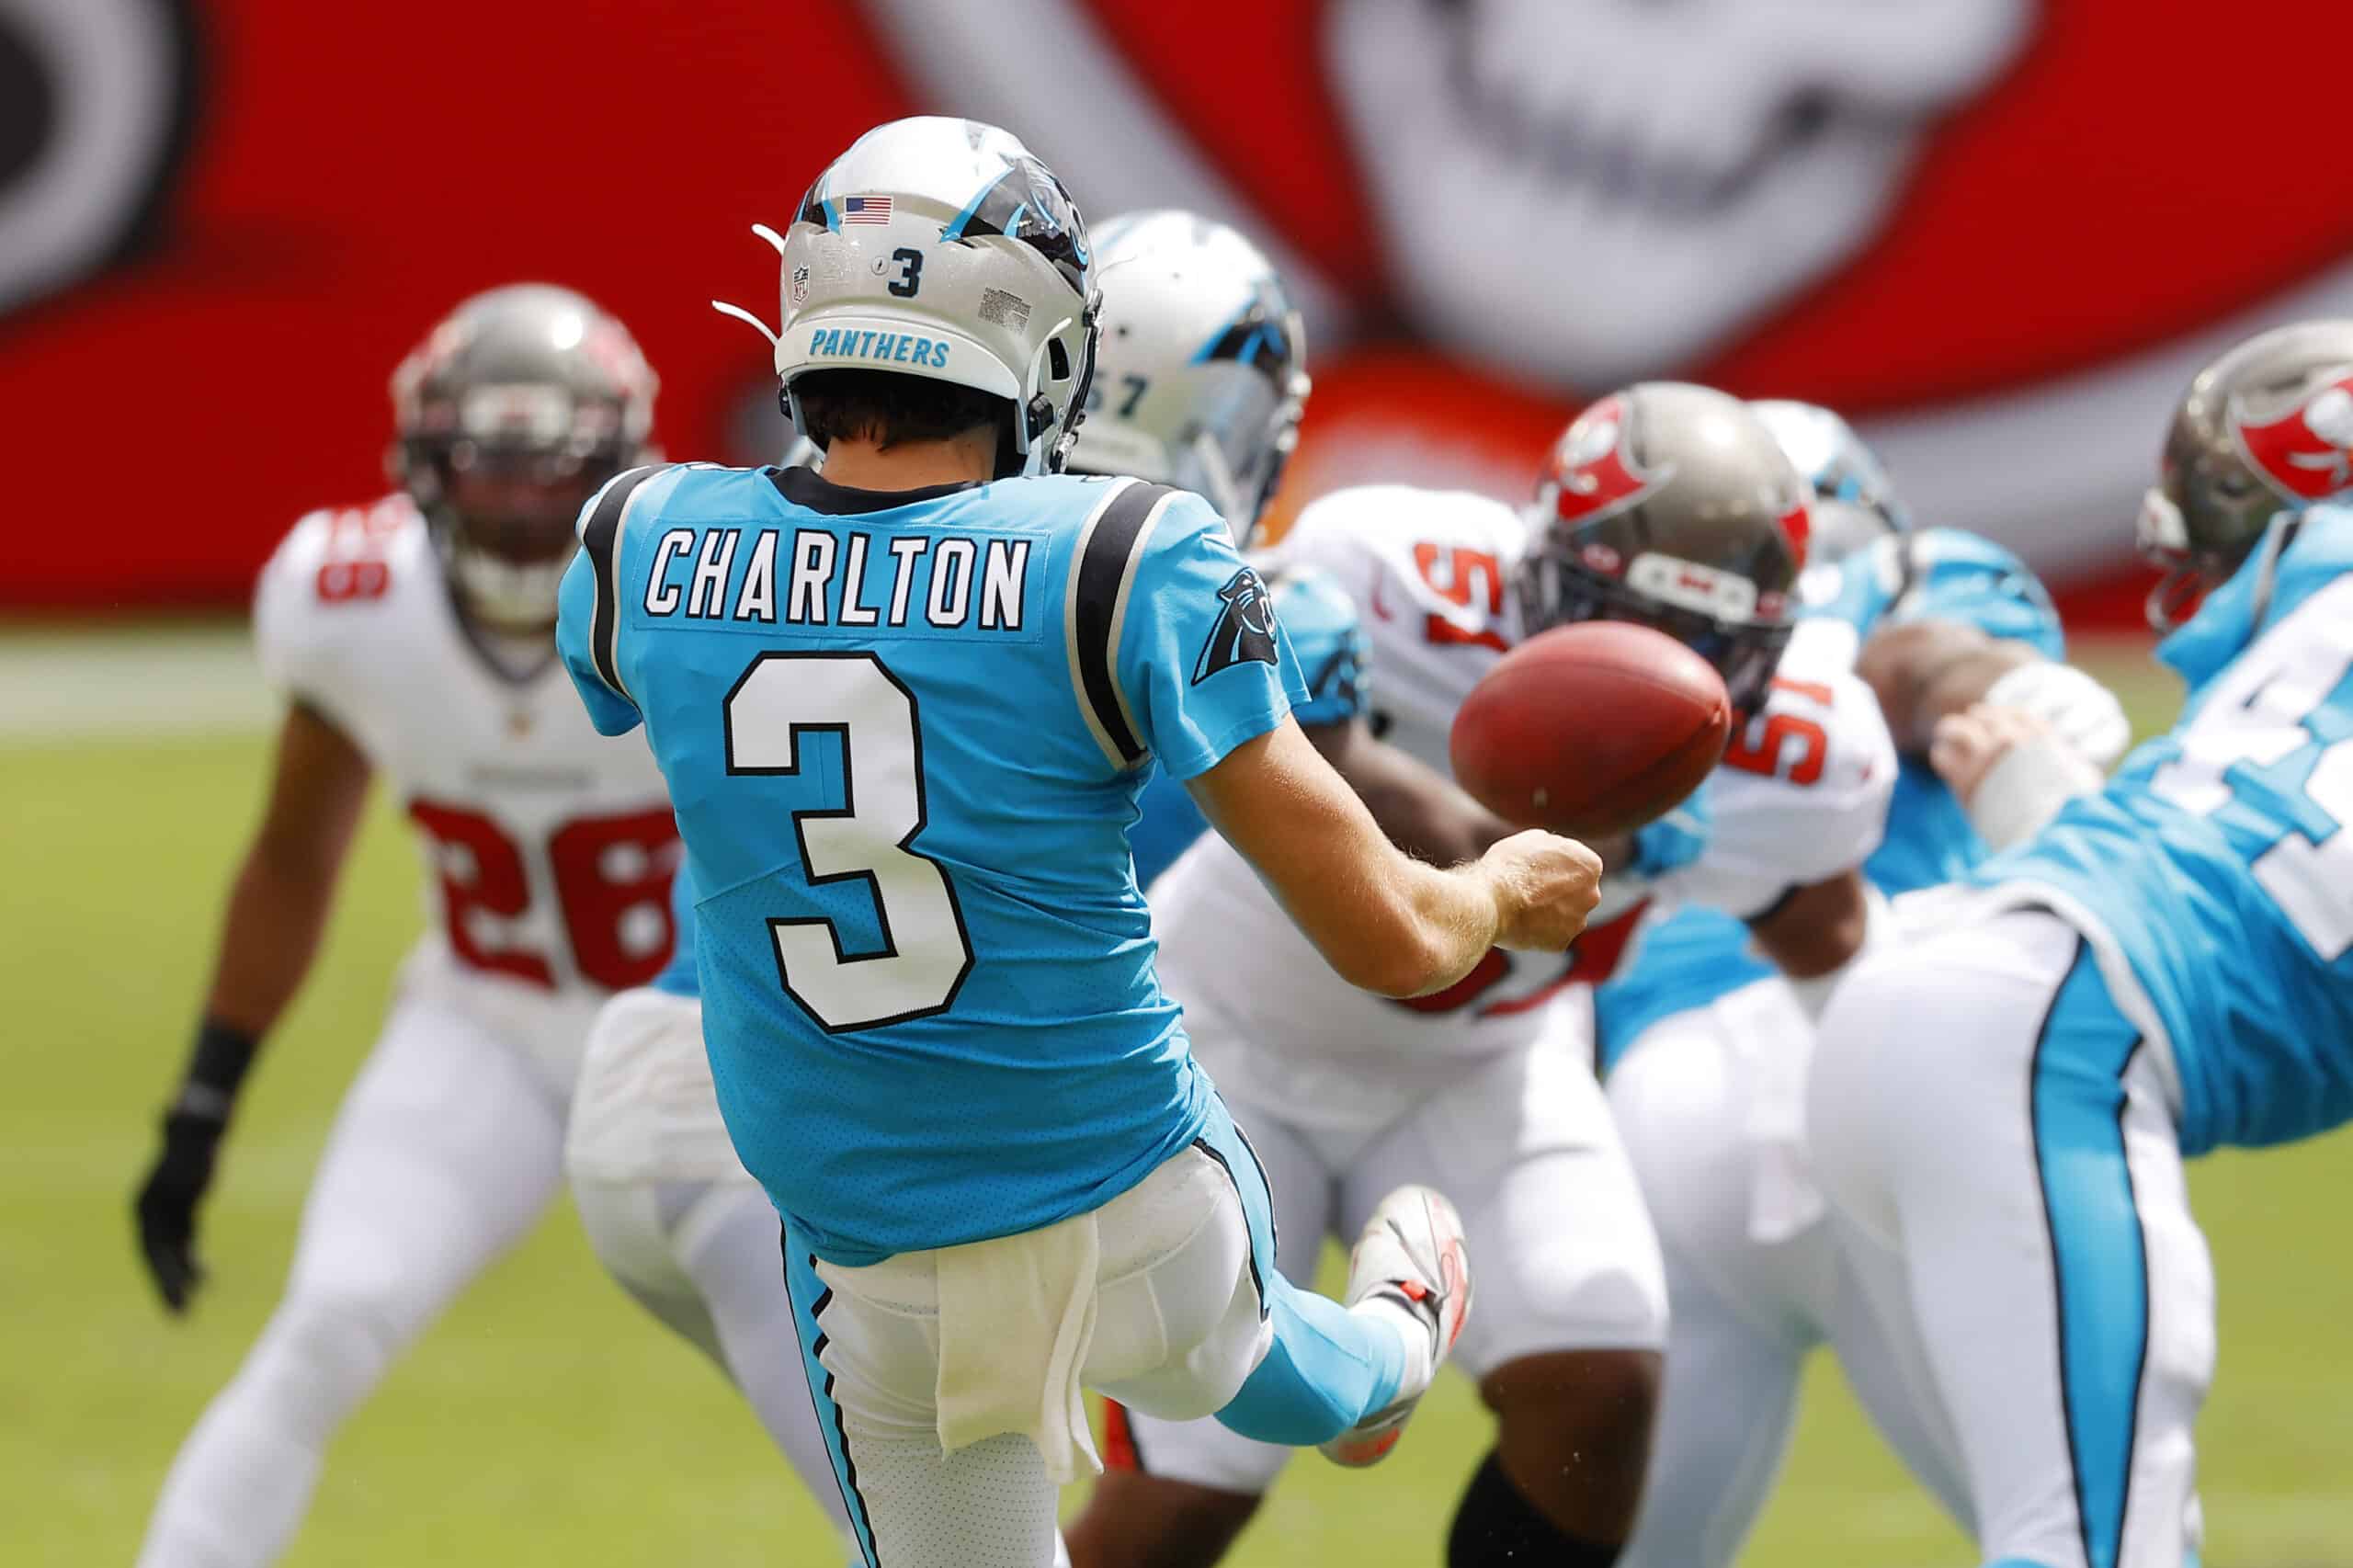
x=2307, y=453
x=1593, y=468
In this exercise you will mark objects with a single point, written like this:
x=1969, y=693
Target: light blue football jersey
x=1320, y=619
x=1696, y=956
x=678, y=976
x=904, y=736
x=2217, y=862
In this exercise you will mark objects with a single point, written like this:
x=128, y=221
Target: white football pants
x=448, y=1148
x=1750, y=1297
x=681, y=1225
x=1982, y=1115
x=1561, y=1248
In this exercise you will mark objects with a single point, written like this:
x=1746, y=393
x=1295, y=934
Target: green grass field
x=543, y=1421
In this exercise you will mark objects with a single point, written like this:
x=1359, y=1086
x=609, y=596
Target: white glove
x=2080, y=712
x=2010, y=770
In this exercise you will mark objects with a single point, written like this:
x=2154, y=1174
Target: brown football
x=1591, y=729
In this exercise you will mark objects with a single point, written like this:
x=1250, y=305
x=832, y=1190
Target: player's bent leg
x=872, y=1375
x=628, y=1226
x=445, y=1152
x=1175, y=1493
x=1743, y=1292
x=1313, y=1371
x=726, y=1245
x=1888, y=1371
x=1572, y=1305
x=2027, y=1165
x=1724, y=1423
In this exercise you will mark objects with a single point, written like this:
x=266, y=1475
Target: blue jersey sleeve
x=679, y=977
x=588, y=605
x=1941, y=575
x=611, y=711
x=1334, y=663
x=1959, y=577
x=1203, y=662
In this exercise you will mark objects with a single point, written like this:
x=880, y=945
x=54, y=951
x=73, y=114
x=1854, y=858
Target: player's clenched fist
x=1545, y=886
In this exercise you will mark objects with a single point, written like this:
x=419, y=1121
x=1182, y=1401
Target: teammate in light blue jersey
x=2000, y=1109
x=904, y=710
x=1706, y=1047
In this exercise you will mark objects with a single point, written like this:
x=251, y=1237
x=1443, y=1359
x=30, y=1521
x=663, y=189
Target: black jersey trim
x=807, y=487
x=1108, y=547
x=600, y=537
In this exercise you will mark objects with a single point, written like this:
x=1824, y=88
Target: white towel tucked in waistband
x=1016, y=1318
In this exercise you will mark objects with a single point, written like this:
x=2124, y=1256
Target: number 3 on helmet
x=942, y=248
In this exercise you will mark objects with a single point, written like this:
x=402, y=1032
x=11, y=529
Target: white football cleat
x=1411, y=1255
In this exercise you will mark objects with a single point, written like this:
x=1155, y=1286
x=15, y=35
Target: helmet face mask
x=2265, y=429
x=510, y=414
x=1202, y=379
x=941, y=249
x=1556, y=591
x=1672, y=506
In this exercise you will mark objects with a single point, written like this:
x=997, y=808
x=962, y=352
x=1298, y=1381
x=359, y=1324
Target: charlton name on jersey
x=819, y=577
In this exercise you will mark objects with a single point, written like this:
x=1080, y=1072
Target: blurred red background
x=2128, y=184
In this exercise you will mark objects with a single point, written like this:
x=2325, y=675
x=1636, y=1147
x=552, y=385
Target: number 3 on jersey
x=783, y=697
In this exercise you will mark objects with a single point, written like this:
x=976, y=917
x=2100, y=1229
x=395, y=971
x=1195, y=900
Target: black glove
x=166, y=1207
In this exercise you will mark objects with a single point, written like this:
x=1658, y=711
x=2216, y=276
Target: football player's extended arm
x=1381, y=919
x=278, y=908
x=1814, y=931
x=1423, y=811
x=1924, y=672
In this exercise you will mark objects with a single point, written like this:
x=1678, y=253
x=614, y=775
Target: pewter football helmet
x=942, y=248
x=508, y=417
x=1201, y=374
x=1672, y=506
x=1854, y=505
x=2267, y=429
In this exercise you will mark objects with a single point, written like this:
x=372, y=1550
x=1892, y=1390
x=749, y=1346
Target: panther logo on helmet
x=1594, y=472
x=2306, y=454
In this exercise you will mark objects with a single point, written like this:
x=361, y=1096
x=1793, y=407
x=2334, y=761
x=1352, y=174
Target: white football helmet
x=941, y=247
x=1202, y=376
x=1854, y=504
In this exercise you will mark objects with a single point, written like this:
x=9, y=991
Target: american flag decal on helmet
x=866, y=210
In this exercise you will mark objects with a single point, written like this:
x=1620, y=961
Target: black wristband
x=215, y=1071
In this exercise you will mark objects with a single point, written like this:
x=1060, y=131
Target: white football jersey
x=1801, y=796
x=548, y=847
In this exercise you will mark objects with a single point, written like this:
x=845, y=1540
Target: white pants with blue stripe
x=1999, y=1144
x=1187, y=1318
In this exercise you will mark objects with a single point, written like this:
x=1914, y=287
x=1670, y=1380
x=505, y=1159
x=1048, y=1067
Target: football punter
x=1705, y=1046
x=1999, y=1107
x=1201, y=350
x=904, y=709
x=414, y=636
x=1667, y=505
